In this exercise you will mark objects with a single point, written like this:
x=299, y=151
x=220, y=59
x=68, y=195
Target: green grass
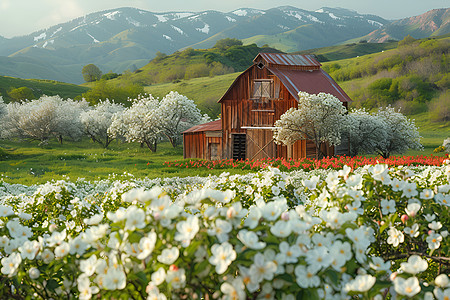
x=205, y=91
x=27, y=163
x=40, y=87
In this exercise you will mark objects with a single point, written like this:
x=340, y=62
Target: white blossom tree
x=365, y=131
x=3, y=111
x=178, y=113
x=97, y=121
x=318, y=118
x=402, y=133
x=139, y=123
x=43, y=119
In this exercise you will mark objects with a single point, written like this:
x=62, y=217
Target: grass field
x=27, y=163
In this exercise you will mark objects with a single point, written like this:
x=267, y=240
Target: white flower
x=358, y=237
x=146, y=245
x=159, y=276
x=186, y=230
x=176, y=278
x=34, y=273
x=86, y=291
x=5, y=211
x=253, y=217
x=306, y=277
x=135, y=218
x=87, y=266
x=291, y=253
x=272, y=210
x=429, y=217
x=29, y=249
x=434, y=240
x=442, y=281
x=414, y=265
x=251, y=285
x=10, y=264
x=378, y=263
x=62, y=250
x=311, y=183
x=397, y=185
x=281, y=229
x=354, y=180
x=233, y=289
x=94, y=220
x=361, y=283
x=262, y=269
x=77, y=246
x=47, y=256
x=114, y=279
x=435, y=225
x=396, y=237
x=318, y=258
x=222, y=256
x=387, y=206
x=221, y=229
x=169, y=256
x=340, y=252
x=407, y=287
x=250, y=239
x=413, y=231
x=426, y=194
x=412, y=209
x=409, y=190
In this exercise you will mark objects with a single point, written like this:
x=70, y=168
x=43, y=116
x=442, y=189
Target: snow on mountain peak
x=162, y=18
x=230, y=19
x=112, y=15
x=240, y=12
x=205, y=29
x=42, y=36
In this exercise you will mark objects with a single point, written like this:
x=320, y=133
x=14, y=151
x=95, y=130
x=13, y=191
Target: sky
x=21, y=17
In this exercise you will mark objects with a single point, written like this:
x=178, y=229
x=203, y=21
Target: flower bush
x=372, y=231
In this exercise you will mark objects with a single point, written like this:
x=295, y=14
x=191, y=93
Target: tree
x=97, y=121
x=102, y=90
x=364, y=131
x=91, y=73
x=402, y=133
x=44, y=118
x=3, y=112
x=178, y=113
x=22, y=93
x=318, y=118
x=227, y=43
x=138, y=123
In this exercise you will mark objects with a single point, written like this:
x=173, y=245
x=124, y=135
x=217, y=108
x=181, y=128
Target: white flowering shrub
x=319, y=118
x=97, y=120
x=446, y=145
x=373, y=232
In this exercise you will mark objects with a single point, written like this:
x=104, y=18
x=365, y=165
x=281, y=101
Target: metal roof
x=289, y=59
x=211, y=126
x=311, y=81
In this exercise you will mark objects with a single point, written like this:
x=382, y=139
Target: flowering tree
x=318, y=118
x=44, y=118
x=178, y=113
x=402, y=133
x=97, y=121
x=365, y=131
x=3, y=112
x=139, y=123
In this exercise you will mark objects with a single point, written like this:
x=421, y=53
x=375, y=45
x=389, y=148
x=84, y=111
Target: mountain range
x=127, y=38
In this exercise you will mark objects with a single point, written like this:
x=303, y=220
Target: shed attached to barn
x=203, y=141
x=259, y=96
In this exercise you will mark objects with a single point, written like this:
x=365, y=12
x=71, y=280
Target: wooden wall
x=202, y=145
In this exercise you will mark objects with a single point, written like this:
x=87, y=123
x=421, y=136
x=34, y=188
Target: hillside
x=430, y=24
x=127, y=38
x=40, y=87
x=193, y=63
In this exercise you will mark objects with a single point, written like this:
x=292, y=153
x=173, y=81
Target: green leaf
x=333, y=276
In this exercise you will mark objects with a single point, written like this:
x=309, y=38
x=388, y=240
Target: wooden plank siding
x=202, y=145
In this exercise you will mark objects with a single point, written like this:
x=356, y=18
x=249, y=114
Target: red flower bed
x=308, y=163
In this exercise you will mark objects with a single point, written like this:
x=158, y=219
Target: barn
x=203, y=141
x=258, y=97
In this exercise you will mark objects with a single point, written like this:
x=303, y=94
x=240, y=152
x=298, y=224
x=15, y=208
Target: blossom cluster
x=369, y=232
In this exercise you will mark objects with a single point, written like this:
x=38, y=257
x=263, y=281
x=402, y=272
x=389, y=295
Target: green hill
x=40, y=87
x=228, y=57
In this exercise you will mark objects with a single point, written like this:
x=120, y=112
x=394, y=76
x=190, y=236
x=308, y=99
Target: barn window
x=262, y=88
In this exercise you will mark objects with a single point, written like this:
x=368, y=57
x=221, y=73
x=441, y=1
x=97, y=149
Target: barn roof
x=312, y=82
x=278, y=59
x=211, y=126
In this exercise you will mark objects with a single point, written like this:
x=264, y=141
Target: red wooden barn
x=256, y=99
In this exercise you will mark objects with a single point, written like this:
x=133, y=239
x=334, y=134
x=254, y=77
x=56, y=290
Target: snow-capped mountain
x=117, y=39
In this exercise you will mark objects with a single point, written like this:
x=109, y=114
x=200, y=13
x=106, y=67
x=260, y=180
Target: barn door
x=260, y=144
x=239, y=146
